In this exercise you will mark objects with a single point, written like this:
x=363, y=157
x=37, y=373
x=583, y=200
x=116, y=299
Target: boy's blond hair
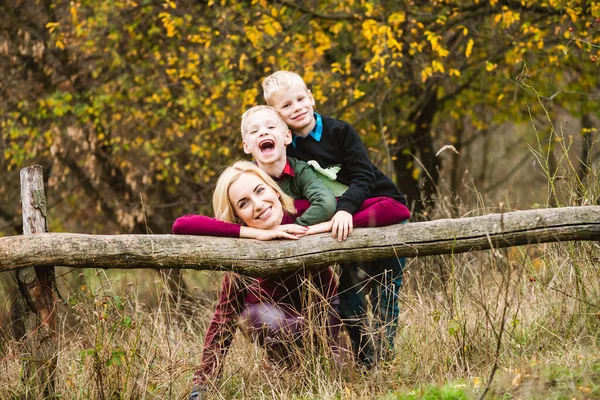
x=280, y=81
x=222, y=206
x=254, y=110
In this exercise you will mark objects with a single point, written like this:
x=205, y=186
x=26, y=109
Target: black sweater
x=340, y=145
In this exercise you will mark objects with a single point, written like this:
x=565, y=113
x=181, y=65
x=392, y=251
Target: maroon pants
x=278, y=327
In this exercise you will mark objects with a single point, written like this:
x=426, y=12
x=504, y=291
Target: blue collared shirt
x=316, y=133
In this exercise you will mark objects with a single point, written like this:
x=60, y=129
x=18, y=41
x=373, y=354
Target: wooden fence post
x=36, y=324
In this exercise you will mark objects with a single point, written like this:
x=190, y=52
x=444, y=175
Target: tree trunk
x=418, y=153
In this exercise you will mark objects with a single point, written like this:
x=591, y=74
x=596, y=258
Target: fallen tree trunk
x=257, y=258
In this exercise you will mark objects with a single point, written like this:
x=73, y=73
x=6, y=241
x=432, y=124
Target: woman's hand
x=289, y=231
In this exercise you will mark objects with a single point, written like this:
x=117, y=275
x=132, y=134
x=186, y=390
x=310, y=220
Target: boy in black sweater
x=338, y=150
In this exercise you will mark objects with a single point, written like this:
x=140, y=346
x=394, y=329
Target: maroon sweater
x=237, y=291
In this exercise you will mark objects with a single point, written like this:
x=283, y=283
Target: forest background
x=133, y=107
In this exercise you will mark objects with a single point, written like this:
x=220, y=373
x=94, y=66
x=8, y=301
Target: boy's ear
x=312, y=99
x=288, y=137
x=246, y=148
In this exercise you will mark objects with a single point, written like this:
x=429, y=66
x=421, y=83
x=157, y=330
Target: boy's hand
x=320, y=228
x=341, y=225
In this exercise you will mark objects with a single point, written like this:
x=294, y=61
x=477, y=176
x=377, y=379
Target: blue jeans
x=383, y=278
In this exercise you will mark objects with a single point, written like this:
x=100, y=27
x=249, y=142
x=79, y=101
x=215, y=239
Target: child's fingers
x=297, y=230
x=344, y=234
x=285, y=235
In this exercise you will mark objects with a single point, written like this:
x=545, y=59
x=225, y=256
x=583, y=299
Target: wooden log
x=257, y=258
x=34, y=308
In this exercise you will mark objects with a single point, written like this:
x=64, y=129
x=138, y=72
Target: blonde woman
x=249, y=204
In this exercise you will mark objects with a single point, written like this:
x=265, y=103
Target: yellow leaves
x=270, y=26
x=196, y=150
x=469, y=48
x=437, y=66
x=507, y=17
x=383, y=45
x=489, y=66
x=168, y=23
x=573, y=14
x=368, y=8
x=249, y=99
x=224, y=151
x=170, y=3
x=453, y=72
x=254, y=35
x=51, y=26
x=369, y=29
x=434, y=40
x=415, y=47
x=323, y=42
x=357, y=94
x=243, y=58
x=397, y=18
x=416, y=173
x=493, y=2
x=540, y=44
x=73, y=11
x=337, y=67
x=499, y=98
x=426, y=73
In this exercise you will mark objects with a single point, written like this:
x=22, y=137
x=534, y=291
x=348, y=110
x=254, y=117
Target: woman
x=249, y=204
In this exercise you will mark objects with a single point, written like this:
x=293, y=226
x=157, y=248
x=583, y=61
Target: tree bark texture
x=33, y=310
x=258, y=258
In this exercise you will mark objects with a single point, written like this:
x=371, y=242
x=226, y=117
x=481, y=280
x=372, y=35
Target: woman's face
x=255, y=202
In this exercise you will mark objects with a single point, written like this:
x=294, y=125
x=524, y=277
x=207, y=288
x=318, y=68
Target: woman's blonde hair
x=222, y=206
x=280, y=81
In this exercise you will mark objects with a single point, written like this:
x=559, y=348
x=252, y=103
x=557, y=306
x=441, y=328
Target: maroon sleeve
x=301, y=206
x=221, y=329
x=380, y=211
x=192, y=224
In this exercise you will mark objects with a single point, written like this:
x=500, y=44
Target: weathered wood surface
x=258, y=258
x=33, y=312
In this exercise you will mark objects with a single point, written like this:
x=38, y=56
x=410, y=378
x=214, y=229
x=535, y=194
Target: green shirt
x=304, y=184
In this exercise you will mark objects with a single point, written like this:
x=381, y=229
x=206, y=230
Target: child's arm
x=309, y=186
x=376, y=211
x=380, y=211
x=202, y=225
x=359, y=169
